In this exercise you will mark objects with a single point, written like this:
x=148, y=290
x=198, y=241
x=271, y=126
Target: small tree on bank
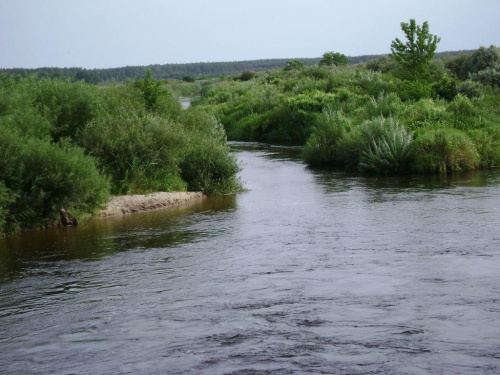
x=415, y=55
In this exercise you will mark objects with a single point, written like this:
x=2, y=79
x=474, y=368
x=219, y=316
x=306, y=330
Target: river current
x=306, y=272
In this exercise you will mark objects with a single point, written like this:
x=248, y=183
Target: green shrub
x=46, y=177
x=445, y=88
x=247, y=75
x=6, y=198
x=151, y=89
x=470, y=89
x=321, y=147
x=209, y=167
x=167, y=106
x=139, y=154
x=414, y=90
x=462, y=106
x=463, y=113
x=316, y=72
x=489, y=76
x=384, y=105
x=386, y=146
x=349, y=149
x=443, y=150
x=424, y=113
x=487, y=142
x=68, y=106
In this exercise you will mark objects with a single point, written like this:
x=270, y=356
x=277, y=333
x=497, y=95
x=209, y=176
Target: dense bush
x=45, y=177
x=321, y=147
x=209, y=167
x=68, y=145
x=139, y=154
x=444, y=150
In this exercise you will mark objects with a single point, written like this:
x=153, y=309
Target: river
x=306, y=272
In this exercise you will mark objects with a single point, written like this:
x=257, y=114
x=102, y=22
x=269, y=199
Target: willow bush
x=43, y=178
x=68, y=145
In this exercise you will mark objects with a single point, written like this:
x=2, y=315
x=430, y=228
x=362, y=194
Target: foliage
x=482, y=59
x=470, y=89
x=321, y=147
x=336, y=112
x=247, y=75
x=444, y=150
x=139, y=154
x=415, y=55
x=67, y=106
x=6, y=198
x=483, y=65
x=67, y=145
x=45, y=177
x=333, y=58
x=387, y=146
x=209, y=167
x=489, y=76
x=150, y=88
x=487, y=142
x=293, y=64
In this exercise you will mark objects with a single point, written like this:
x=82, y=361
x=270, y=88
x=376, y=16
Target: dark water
x=309, y=272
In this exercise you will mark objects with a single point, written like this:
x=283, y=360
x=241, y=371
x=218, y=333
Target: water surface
x=308, y=271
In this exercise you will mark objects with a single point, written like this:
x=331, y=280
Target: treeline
x=65, y=147
x=400, y=113
x=176, y=71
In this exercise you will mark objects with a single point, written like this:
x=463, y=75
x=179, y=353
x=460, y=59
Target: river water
x=307, y=272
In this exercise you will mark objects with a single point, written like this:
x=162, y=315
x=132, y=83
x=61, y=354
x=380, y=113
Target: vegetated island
x=403, y=113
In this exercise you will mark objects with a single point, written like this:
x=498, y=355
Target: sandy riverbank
x=129, y=204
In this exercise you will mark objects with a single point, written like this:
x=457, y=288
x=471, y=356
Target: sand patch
x=129, y=204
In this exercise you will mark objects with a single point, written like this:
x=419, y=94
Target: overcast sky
x=115, y=33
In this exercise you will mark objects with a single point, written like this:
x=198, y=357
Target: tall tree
x=415, y=55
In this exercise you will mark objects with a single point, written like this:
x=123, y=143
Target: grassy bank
x=70, y=145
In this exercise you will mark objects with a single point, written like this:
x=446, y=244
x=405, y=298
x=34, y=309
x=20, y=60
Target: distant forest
x=181, y=71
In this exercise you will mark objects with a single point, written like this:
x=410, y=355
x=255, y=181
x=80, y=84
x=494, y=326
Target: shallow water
x=308, y=271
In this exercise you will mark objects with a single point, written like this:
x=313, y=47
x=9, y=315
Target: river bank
x=129, y=204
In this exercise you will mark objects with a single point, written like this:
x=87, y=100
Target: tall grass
x=387, y=146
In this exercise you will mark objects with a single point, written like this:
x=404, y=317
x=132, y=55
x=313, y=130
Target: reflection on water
x=309, y=271
x=104, y=237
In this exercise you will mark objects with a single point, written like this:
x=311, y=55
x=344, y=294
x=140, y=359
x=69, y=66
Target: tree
x=333, y=58
x=150, y=88
x=294, y=64
x=415, y=55
x=247, y=75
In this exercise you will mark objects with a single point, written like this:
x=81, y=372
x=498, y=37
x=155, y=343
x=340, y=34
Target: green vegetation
x=415, y=55
x=333, y=58
x=65, y=147
x=186, y=72
x=406, y=112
